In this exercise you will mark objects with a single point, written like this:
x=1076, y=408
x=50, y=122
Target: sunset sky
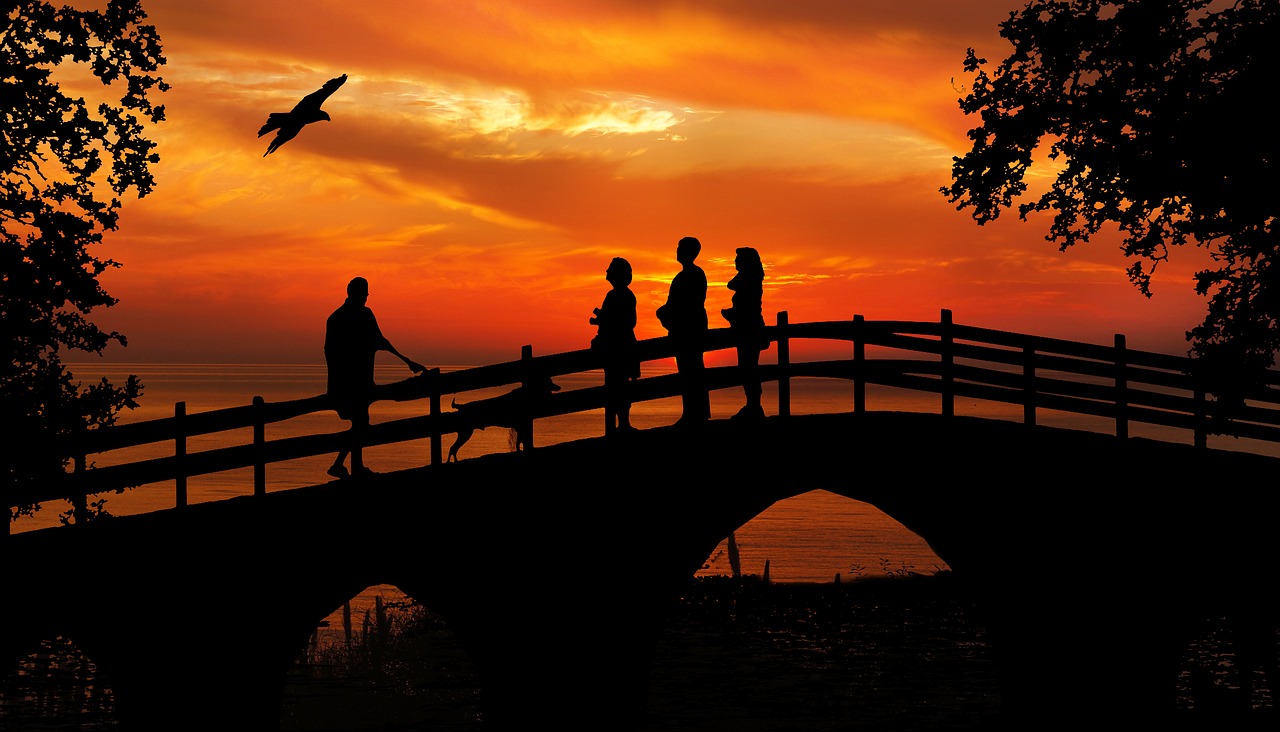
x=486, y=160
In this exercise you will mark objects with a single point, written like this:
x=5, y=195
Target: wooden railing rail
x=952, y=360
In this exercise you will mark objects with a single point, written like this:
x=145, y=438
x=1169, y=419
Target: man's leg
x=338, y=470
x=359, y=425
x=686, y=394
x=693, y=390
x=699, y=386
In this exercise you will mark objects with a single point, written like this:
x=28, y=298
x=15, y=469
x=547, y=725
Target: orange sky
x=486, y=160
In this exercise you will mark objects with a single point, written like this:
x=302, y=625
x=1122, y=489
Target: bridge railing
x=952, y=360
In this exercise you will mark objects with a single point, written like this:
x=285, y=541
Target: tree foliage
x=1155, y=114
x=56, y=154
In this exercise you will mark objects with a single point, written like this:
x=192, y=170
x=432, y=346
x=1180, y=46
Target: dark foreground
x=901, y=654
x=896, y=654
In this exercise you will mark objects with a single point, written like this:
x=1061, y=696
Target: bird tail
x=273, y=122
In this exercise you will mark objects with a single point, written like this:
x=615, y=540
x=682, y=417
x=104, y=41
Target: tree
x=55, y=154
x=1154, y=110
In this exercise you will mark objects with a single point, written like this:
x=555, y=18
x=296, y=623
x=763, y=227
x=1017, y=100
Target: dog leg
x=464, y=434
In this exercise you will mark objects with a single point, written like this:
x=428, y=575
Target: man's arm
x=414, y=366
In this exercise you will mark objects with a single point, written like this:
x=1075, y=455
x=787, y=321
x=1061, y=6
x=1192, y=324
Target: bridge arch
x=833, y=534
x=401, y=664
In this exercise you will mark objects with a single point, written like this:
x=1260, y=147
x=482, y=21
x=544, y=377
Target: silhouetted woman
x=746, y=321
x=616, y=340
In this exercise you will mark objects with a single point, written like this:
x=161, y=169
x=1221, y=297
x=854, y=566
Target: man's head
x=687, y=249
x=358, y=289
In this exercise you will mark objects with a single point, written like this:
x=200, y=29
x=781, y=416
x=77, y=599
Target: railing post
x=180, y=453
x=80, y=502
x=433, y=398
x=948, y=362
x=1122, y=389
x=610, y=415
x=1201, y=419
x=1029, y=386
x=784, y=370
x=859, y=366
x=527, y=381
x=259, y=447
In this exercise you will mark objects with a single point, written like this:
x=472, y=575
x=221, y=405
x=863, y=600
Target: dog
x=507, y=410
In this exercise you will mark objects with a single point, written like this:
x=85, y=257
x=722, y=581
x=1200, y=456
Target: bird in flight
x=288, y=124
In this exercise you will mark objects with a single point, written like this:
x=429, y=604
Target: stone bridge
x=1078, y=547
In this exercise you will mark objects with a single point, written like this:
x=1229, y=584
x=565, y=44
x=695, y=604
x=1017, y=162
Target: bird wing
x=313, y=100
x=275, y=121
x=285, y=134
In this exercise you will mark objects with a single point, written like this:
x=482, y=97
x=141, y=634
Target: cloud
x=485, y=161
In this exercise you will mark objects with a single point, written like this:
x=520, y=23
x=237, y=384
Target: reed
x=735, y=561
x=402, y=664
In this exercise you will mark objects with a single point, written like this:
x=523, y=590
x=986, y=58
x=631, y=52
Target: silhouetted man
x=684, y=315
x=351, y=340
